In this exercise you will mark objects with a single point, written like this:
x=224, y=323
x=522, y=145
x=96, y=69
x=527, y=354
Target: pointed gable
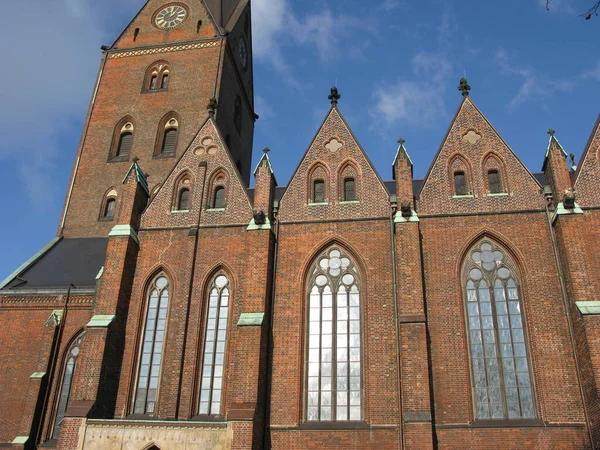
x=476, y=171
x=205, y=167
x=588, y=172
x=197, y=24
x=334, y=158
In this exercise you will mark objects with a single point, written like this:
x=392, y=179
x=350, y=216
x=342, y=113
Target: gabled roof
x=551, y=141
x=139, y=175
x=401, y=150
x=588, y=145
x=467, y=99
x=265, y=158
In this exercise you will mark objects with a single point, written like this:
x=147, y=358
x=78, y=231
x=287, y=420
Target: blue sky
x=397, y=64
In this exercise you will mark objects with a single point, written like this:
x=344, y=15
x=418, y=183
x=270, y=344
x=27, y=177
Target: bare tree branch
x=593, y=11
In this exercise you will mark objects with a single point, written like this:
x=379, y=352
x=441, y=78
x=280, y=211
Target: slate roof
x=76, y=261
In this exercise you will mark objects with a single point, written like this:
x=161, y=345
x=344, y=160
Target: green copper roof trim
x=100, y=321
x=400, y=219
x=30, y=261
x=559, y=146
x=100, y=273
x=20, y=440
x=562, y=211
x=265, y=157
x=251, y=319
x=402, y=148
x=140, y=176
x=54, y=318
x=589, y=308
x=37, y=375
x=124, y=230
x=254, y=227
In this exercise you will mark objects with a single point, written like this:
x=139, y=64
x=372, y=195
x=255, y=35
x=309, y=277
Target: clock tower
x=150, y=100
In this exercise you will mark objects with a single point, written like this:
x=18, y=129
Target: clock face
x=243, y=52
x=170, y=17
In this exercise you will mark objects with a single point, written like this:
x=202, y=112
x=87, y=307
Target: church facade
x=177, y=308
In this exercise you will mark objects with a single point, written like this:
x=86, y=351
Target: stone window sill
x=318, y=204
x=106, y=219
x=154, y=91
x=164, y=156
x=350, y=425
x=500, y=194
x=180, y=211
x=463, y=196
x=215, y=210
x=350, y=202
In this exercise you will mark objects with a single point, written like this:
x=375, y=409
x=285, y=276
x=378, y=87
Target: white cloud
x=592, y=73
x=390, y=5
x=276, y=28
x=264, y=108
x=533, y=85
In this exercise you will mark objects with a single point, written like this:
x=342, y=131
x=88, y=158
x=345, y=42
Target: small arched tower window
x=122, y=140
x=146, y=394
x=219, y=197
x=494, y=181
x=157, y=77
x=184, y=200
x=109, y=204
x=460, y=183
x=66, y=384
x=349, y=189
x=166, y=145
x=215, y=347
x=237, y=114
x=319, y=191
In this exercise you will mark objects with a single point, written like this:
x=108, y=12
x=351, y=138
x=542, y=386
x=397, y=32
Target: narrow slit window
x=153, y=82
x=219, y=197
x=319, y=191
x=146, y=395
x=66, y=385
x=460, y=183
x=349, y=189
x=494, y=182
x=109, y=209
x=165, y=81
x=184, y=200
x=215, y=347
x=237, y=113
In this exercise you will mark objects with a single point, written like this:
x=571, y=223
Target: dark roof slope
x=76, y=261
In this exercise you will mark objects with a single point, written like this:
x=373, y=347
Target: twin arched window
x=146, y=394
x=66, y=384
x=502, y=382
x=157, y=77
x=334, y=367
x=492, y=173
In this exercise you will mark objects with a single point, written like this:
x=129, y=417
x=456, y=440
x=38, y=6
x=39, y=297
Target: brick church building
x=177, y=308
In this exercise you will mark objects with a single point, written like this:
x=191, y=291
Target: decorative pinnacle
x=136, y=159
x=464, y=87
x=551, y=132
x=401, y=141
x=212, y=106
x=334, y=96
x=266, y=150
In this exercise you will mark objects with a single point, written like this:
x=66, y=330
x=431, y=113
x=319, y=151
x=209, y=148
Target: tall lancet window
x=66, y=384
x=502, y=383
x=146, y=394
x=215, y=346
x=334, y=370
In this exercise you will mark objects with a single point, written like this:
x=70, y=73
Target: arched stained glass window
x=215, y=346
x=334, y=370
x=66, y=384
x=152, y=348
x=502, y=383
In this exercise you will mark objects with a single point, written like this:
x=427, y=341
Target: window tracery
x=334, y=369
x=501, y=368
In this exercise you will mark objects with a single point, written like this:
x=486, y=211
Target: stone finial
x=266, y=150
x=551, y=132
x=136, y=159
x=464, y=87
x=401, y=141
x=212, y=107
x=334, y=96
